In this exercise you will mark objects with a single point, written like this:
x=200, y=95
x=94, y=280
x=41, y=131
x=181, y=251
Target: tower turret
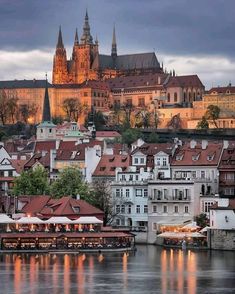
x=46, y=114
x=86, y=36
x=114, y=44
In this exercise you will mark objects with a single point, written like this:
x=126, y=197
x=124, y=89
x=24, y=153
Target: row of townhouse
x=169, y=184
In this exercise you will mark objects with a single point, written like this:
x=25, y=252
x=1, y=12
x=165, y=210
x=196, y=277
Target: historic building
x=87, y=63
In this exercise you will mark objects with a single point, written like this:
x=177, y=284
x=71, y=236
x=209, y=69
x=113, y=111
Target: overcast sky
x=190, y=36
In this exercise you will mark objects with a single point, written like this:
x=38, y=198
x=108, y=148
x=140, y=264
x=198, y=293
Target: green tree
x=201, y=220
x=71, y=183
x=12, y=108
x=213, y=112
x=203, y=124
x=152, y=138
x=32, y=182
x=57, y=120
x=27, y=111
x=130, y=135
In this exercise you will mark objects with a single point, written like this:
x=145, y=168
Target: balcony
x=170, y=198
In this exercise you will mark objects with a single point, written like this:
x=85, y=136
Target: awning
x=173, y=222
x=5, y=219
x=87, y=220
x=30, y=220
x=192, y=225
x=59, y=220
x=180, y=235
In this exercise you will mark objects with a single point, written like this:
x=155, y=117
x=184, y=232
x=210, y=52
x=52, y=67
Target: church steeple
x=60, y=40
x=86, y=36
x=114, y=44
x=46, y=115
x=76, y=41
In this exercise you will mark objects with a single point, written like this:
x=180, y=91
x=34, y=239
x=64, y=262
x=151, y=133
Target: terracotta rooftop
x=185, y=81
x=44, y=160
x=189, y=156
x=154, y=148
x=108, y=163
x=228, y=159
x=44, y=146
x=98, y=85
x=18, y=164
x=104, y=134
x=222, y=90
x=45, y=206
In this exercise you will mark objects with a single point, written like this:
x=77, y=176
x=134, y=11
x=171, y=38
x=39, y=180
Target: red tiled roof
x=185, y=155
x=18, y=165
x=230, y=206
x=153, y=148
x=105, y=134
x=150, y=80
x=45, y=206
x=223, y=90
x=6, y=179
x=44, y=160
x=228, y=159
x=99, y=85
x=108, y=164
x=44, y=146
x=185, y=81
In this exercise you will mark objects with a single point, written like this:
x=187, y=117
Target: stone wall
x=221, y=239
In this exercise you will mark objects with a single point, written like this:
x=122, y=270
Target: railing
x=170, y=198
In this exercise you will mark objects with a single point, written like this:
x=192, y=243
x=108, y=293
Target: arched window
x=168, y=97
x=185, y=95
x=175, y=97
x=189, y=96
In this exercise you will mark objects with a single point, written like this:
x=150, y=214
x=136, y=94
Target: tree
x=97, y=118
x=202, y=220
x=152, y=138
x=13, y=108
x=175, y=123
x=130, y=135
x=102, y=199
x=71, y=183
x=213, y=112
x=57, y=120
x=73, y=109
x=203, y=124
x=3, y=107
x=27, y=111
x=32, y=182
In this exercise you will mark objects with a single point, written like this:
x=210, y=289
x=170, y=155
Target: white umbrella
x=87, y=220
x=5, y=219
x=30, y=220
x=59, y=220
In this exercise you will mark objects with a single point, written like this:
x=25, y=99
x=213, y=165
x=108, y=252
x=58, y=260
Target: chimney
x=225, y=144
x=204, y=144
x=159, y=80
x=193, y=144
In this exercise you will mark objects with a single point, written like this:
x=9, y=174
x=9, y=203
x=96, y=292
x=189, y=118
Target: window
x=164, y=162
x=118, y=222
x=41, y=130
x=123, y=208
x=176, y=209
x=136, y=160
x=207, y=205
x=154, y=226
x=164, y=208
x=10, y=173
x=145, y=208
x=168, y=97
x=154, y=208
x=175, y=97
x=50, y=130
x=137, y=208
x=194, y=174
x=117, y=208
x=137, y=178
x=129, y=209
x=118, y=194
x=141, y=102
x=141, y=160
x=186, y=210
x=203, y=174
x=145, y=192
x=127, y=192
x=158, y=161
x=138, y=192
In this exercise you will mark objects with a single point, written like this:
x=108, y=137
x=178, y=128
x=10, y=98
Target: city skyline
x=187, y=38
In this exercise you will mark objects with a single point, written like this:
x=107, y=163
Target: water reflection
x=149, y=270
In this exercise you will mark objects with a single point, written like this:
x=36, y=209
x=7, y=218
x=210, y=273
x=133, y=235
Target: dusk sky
x=190, y=36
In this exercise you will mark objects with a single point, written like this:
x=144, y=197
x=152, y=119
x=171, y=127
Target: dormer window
x=195, y=157
x=210, y=157
x=76, y=209
x=179, y=157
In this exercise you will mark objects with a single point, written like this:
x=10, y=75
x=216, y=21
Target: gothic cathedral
x=87, y=64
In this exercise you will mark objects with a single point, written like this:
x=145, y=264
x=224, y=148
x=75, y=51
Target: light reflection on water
x=149, y=270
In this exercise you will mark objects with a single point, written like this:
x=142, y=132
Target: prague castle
x=87, y=64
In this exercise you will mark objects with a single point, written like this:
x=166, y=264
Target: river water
x=149, y=270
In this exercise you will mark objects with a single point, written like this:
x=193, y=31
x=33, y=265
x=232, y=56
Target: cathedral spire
x=76, y=41
x=114, y=44
x=86, y=36
x=46, y=114
x=60, y=40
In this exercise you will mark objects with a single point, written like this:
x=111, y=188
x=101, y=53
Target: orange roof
x=223, y=90
x=105, y=134
x=185, y=81
x=45, y=146
x=18, y=164
x=185, y=155
x=228, y=159
x=108, y=164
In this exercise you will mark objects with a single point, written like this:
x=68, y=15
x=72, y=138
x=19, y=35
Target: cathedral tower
x=60, y=72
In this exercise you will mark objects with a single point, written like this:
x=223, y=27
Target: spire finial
x=114, y=43
x=86, y=36
x=60, y=39
x=46, y=115
x=76, y=41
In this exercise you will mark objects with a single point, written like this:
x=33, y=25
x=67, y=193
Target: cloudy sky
x=190, y=36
